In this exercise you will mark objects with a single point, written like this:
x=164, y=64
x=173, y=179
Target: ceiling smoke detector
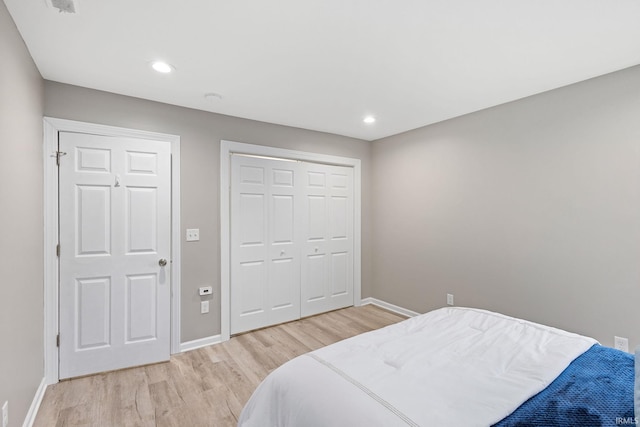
x=212, y=97
x=67, y=6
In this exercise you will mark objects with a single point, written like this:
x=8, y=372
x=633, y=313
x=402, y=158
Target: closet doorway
x=290, y=236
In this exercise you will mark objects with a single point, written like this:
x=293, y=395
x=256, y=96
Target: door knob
x=162, y=262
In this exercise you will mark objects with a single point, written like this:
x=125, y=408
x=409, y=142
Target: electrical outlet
x=621, y=344
x=193, y=234
x=204, y=307
x=5, y=414
x=449, y=299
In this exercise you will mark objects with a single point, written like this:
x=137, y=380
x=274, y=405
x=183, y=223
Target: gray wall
x=201, y=133
x=21, y=252
x=531, y=208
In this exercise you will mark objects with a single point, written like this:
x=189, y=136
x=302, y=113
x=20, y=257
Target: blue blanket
x=596, y=389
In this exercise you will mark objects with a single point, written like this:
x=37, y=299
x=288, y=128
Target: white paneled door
x=265, y=242
x=327, y=222
x=291, y=240
x=115, y=225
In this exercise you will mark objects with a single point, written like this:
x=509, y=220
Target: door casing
x=228, y=147
x=51, y=328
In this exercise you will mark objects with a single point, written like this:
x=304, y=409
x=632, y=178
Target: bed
x=451, y=367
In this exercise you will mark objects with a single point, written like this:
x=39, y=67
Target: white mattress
x=452, y=366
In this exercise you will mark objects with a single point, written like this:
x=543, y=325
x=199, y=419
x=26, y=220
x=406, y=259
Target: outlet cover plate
x=204, y=307
x=5, y=414
x=193, y=234
x=621, y=343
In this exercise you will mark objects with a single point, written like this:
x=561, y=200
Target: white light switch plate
x=193, y=234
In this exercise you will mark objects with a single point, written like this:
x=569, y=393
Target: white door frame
x=51, y=128
x=229, y=147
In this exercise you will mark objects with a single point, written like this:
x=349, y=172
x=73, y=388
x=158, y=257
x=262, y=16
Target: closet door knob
x=162, y=262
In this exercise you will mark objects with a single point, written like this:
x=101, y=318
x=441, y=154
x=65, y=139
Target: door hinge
x=58, y=340
x=58, y=250
x=59, y=154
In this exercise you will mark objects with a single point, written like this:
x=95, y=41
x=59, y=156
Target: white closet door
x=327, y=223
x=265, y=242
x=115, y=228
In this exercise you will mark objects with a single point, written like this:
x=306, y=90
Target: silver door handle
x=162, y=262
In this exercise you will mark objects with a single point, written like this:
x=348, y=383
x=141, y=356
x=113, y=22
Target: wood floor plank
x=204, y=387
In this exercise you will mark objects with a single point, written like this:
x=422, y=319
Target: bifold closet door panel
x=265, y=242
x=327, y=224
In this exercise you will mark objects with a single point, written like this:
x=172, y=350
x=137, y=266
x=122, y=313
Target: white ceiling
x=325, y=64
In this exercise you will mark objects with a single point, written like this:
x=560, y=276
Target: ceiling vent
x=67, y=6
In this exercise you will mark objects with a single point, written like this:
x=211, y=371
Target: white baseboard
x=35, y=404
x=217, y=339
x=390, y=307
x=202, y=342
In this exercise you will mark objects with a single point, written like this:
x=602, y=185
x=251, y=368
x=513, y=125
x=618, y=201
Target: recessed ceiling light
x=161, y=67
x=369, y=119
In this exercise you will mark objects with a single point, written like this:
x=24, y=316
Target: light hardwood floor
x=204, y=387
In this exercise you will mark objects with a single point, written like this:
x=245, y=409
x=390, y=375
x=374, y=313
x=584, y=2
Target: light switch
x=193, y=234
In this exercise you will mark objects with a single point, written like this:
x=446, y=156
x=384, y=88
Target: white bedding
x=452, y=366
